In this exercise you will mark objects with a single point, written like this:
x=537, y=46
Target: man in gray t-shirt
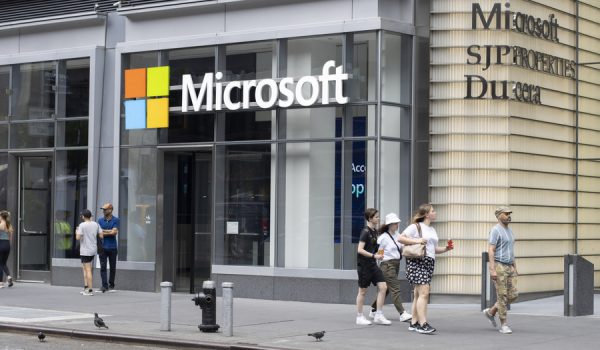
x=87, y=233
x=503, y=269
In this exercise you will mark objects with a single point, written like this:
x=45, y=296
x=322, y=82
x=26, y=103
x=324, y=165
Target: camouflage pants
x=506, y=288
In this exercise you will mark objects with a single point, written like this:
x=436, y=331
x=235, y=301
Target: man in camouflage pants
x=503, y=269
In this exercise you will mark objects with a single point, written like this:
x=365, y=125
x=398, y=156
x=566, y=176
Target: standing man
x=86, y=234
x=110, y=228
x=503, y=269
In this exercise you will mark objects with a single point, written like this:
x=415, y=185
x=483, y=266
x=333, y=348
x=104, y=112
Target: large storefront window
x=76, y=90
x=246, y=205
x=69, y=200
x=32, y=135
x=4, y=92
x=3, y=179
x=137, y=205
x=396, y=68
x=395, y=178
x=35, y=91
x=362, y=86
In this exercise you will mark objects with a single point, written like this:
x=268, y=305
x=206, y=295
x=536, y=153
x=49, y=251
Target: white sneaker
x=505, y=329
x=490, y=318
x=380, y=319
x=88, y=293
x=372, y=313
x=362, y=321
x=405, y=317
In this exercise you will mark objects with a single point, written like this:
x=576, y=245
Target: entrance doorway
x=188, y=217
x=34, y=216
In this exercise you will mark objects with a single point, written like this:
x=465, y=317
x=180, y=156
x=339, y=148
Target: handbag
x=99, y=243
x=414, y=251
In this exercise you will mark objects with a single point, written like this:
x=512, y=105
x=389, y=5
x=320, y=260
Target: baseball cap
x=86, y=213
x=501, y=210
x=391, y=218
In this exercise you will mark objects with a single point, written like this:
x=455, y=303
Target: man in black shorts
x=86, y=234
x=368, y=271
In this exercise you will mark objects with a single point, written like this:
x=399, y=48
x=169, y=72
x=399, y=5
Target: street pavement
x=134, y=317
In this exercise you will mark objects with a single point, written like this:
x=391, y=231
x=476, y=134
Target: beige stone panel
x=589, y=43
x=541, y=112
x=557, y=99
x=589, y=152
x=539, y=7
x=469, y=195
x=528, y=266
x=546, y=81
x=562, y=49
x=458, y=90
x=587, y=183
x=589, y=200
x=457, y=72
x=591, y=13
x=595, y=3
x=542, y=248
x=590, y=74
x=468, y=107
x=589, y=247
x=469, y=160
x=589, y=121
x=523, y=196
x=465, y=230
x=541, y=180
x=542, y=130
x=533, y=214
x=589, y=28
x=442, y=6
x=531, y=162
x=589, y=168
x=587, y=54
x=451, y=21
x=448, y=56
x=540, y=283
x=588, y=105
x=466, y=142
x=589, y=215
x=590, y=90
x=465, y=38
x=542, y=230
x=479, y=177
x=451, y=264
x=463, y=212
x=590, y=137
x=469, y=125
x=455, y=284
x=541, y=146
x=588, y=231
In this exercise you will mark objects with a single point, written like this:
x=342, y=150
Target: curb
x=131, y=339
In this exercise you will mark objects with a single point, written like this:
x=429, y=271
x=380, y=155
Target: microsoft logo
x=147, y=98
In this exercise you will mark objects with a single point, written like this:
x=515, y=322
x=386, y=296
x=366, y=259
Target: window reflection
x=32, y=135
x=36, y=91
x=77, y=89
x=4, y=92
x=3, y=179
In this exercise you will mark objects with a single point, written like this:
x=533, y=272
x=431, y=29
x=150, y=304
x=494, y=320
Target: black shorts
x=86, y=259
x=368, y=274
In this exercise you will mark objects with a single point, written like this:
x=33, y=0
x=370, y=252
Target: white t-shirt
x=428, y=233
x=389, y=248
x=88, y=245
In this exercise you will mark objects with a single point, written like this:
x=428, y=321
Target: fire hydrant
x=207, y=300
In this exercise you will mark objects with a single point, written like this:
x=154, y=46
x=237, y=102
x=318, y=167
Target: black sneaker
x=103, y=290
x=426, y=329
x=414, y=326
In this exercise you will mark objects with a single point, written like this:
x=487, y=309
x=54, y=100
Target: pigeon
x=98, y=322
x=41, y=336
x=318, y=335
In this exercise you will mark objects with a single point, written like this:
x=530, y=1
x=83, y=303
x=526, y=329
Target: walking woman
x=390, y=263
x=368, y=272
x=6, y=232
x=419, y=271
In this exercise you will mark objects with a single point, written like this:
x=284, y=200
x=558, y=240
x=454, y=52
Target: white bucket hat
x=391, y=218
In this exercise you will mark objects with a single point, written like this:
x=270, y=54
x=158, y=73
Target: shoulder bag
x=399, y=250
x=415, y=251
x=99, y=242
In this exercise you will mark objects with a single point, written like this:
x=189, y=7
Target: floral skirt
x=419, y=271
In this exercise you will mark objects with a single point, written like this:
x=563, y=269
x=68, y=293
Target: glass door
x=35, y=203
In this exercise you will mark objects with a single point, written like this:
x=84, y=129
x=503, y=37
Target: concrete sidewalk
x=135, y=316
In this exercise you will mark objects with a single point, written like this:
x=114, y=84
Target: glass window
x=4, y=92
x=307, y=123
x=363, y=121
x=363, y=85
x=3, y=136
x=246, y=235
x=395, y=179
x=249, y=61
x=255, y=125
x=32, y=135
x=3, y=179
x=72, y=133
x=143, y=59
x=137, y=199
x=36, y=91
x=396, y=69
x=196, y=62
x=395, y=122
x=311, y=177
x=70, y=199
x=189, y=127
x=77, y=90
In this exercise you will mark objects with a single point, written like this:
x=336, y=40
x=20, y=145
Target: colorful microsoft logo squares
x=147, y=98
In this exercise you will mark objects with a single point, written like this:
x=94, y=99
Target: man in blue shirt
x=110, y=228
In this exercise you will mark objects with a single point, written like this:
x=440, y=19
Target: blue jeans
x=111, y=254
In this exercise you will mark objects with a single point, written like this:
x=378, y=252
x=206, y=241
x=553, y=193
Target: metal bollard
x=207, y=300
x=227, y=308
x=165, y=306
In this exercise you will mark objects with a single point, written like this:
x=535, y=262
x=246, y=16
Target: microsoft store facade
x=241, y=141
x=249, y=156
